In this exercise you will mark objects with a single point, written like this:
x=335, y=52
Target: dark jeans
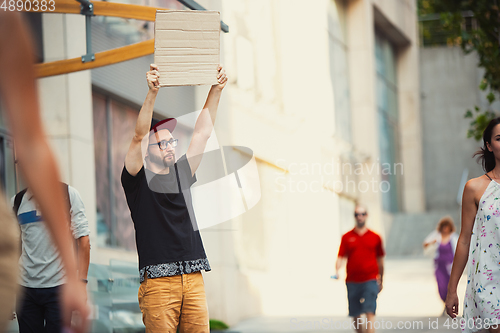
x=39, y=310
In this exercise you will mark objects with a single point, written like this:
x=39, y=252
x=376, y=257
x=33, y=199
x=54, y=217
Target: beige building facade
x=326, y=93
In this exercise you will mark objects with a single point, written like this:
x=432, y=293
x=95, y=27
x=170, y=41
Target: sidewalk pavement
x=409, y=302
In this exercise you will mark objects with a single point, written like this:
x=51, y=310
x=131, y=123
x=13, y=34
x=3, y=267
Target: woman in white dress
x=479, y=243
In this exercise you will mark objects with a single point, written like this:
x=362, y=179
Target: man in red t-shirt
x=363, y=250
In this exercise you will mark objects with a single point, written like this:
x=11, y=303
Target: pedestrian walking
x=479, y=242
x=444, y=240
x=363, y=251
x=42, y=275
x=38, y=166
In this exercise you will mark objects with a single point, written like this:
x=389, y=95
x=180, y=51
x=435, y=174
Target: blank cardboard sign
x=187, y=47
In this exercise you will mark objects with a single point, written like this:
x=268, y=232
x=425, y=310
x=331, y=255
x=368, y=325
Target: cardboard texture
x=187, y=47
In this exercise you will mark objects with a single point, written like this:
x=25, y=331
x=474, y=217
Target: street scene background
x=337, y=102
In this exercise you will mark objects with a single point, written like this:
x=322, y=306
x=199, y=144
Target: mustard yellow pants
x=174, y=301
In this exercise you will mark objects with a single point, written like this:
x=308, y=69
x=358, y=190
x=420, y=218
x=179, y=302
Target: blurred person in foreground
x=37, y=164
x=364, y=253
x=42, y=275
x=444, y=240
x=479, y=242
x=157, y=188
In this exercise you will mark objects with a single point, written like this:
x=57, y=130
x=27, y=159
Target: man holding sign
x=170, y=249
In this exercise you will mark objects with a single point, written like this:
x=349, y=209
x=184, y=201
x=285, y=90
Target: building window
x=387, y=107
x=114, y=124
x=339, y=73
x=34, y=21
x=8, y=174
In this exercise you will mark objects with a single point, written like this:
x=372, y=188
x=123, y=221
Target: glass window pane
x=340, y=82
x=123, y=119
x=339, y=73
x=387, y=105
x=3, y=125
x=10, y=169
x=389, y=62
x=103, y=207
x=392, y=103
x=379, y=58
x=382, y=99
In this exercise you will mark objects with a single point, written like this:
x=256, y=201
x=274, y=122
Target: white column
x=362, y=74
x=410, y=134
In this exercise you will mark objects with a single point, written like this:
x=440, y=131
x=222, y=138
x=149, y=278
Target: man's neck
x=157, y=170
x=360, y=231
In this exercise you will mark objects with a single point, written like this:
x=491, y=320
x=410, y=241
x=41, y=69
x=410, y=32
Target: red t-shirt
x=361, y=253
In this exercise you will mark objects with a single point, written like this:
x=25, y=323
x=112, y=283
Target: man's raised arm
x=205, y=122
x=133, y=160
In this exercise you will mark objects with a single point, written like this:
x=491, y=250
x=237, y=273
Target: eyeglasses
x=163, y=144
x=358, y=214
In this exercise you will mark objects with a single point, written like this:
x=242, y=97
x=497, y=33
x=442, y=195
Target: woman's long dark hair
x=486, y=157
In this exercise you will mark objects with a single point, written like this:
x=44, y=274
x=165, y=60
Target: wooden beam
x=65, y=6
x=101, y=8
x=104, y=8
x=104, y=58
x=136, y=12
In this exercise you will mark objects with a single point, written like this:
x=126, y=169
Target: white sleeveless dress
x=482, y=296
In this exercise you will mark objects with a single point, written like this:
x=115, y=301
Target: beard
x=360, y=225
x=161, y=161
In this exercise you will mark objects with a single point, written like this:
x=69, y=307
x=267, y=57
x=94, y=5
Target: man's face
x=162, y=158
x=360, y=215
